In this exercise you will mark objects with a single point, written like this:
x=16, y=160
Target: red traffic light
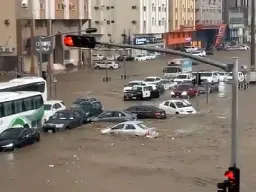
x=68, y=41
x=230, y=175
x=79, y=41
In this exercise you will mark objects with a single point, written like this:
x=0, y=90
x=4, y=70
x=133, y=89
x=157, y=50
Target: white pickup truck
x=184, y=77
x=106, y=65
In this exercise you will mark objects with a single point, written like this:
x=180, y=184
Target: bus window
x=8, y=109
x=28, y=104
x=18, y=107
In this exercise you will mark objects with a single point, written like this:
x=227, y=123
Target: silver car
x=133, y=128
x=115, y=116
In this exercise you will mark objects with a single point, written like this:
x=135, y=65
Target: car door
x=146, y=112
x=106, y=116
x=118, y=129
x=119, y=116
x=172, y=108
x=140, y=113
x=129, y=129
x=78, y=118
x=72, y=121
x=146, y=92
x=23, y=139
x=165, y=106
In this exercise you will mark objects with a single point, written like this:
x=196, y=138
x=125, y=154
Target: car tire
x=97, y=67
x=111, y=68
x=67, y=128
x=177, y=113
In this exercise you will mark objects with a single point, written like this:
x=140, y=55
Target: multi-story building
x=209, y=25
x=181, y=23
x=140, y=22
x=237, y=15
x=33, y=18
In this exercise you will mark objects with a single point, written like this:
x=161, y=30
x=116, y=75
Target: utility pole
x=80, y=50
x=252, y=71
x=49, y=33
x=90, y=50
x=32, y=40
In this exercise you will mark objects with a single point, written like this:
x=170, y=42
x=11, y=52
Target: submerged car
x=168, y=84
x=208, y=87
x=64, y=120
x=51, y=107
x=185, y=91
x=132, y=128
x=147, y=112
x=115, y=116
x=14, y=138
x=183, y=107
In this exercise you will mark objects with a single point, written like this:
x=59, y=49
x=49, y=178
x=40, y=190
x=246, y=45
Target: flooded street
x=191, y=154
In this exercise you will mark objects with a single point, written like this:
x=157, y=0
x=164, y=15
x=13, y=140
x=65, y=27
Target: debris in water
x=51, y=166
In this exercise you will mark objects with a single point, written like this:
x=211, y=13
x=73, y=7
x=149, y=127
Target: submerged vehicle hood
x=6, y=142
x=57, y=121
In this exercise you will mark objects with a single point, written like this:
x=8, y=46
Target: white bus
x=36, y=84
x=21, y=109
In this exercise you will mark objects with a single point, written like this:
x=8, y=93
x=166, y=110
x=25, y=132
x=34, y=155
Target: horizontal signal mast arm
x=172, y=52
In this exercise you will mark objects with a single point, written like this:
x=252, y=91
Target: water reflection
x=223, y=90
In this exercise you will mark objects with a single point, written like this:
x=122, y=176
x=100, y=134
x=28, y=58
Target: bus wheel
x=26, y=126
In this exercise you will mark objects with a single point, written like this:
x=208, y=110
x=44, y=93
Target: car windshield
x=196, y=52
x=137, y=88
x=47, y=107
x=139, y=55
x=142, y=126
x=149, y=79
x=10, y=133
x=61, y=116
x=206, y=74
x=133, y=83
x=230, y=74
x=182, y=77
x=171, y=69
x=180, y=104
x=183, y=87
x=221, y=74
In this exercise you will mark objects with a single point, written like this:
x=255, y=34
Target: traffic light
x=79, y=41
x=194, y=81
x=198, y=76
x=232, y=182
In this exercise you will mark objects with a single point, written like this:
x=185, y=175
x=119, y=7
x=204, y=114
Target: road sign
x=46, y=45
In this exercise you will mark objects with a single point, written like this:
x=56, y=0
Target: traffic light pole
x=234, y=128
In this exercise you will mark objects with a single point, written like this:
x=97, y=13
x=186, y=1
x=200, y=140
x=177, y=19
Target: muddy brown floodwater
x=191, y=154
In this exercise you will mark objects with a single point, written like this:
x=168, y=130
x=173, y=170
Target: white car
x=244, y=47
x=183, y=107
x=210, y=77
x=106, y=65
x=131, y=128
x=140, y=58
x=152, y=79
x=51, y=107
x=190, y=49
x=111, y=58
x=184, y=77
x=130, y=85
x=222, y=76
x=97, y=57
x=229, y=77
x=199, y=53
x=168, y=84
x=151, y=56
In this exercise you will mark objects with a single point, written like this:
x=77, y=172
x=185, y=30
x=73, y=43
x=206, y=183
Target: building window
x=159, y=9
x=59, y=7
x=153, y=7
x=144, y=8
x=85, y=8
x=159, y=22
x=153, y=21
x=72, y=7
x=41, y=5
